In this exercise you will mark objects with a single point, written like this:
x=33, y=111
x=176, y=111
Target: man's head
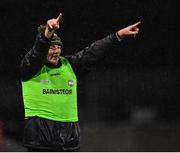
x=54, y=50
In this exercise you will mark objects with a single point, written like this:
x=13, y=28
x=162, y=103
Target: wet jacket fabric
x=43, y=133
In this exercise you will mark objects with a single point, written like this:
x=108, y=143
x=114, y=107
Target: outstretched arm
x=84, y=60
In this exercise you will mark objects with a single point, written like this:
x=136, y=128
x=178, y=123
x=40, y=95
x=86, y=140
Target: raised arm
x=84, y=60
x=36, y=57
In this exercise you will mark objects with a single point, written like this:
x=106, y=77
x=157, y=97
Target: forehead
x=55, y=45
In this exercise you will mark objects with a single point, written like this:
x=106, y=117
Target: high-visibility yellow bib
x=52, y=93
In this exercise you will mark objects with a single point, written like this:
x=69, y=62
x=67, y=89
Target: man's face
x=53, y=54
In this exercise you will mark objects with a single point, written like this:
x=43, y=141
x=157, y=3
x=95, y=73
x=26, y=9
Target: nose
x=57, y=50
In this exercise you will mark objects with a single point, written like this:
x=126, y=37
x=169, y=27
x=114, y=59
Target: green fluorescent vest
x=52, y=94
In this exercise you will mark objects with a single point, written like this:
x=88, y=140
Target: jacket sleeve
x=34, y=60
x=86, y=59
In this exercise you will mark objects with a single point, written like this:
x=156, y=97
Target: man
x=49, y=87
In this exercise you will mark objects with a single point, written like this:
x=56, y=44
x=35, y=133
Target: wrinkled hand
x=52, y=25
x=130, y=31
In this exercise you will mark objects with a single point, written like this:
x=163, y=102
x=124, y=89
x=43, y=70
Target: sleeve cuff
x=118, y=37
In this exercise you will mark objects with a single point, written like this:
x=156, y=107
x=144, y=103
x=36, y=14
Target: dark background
x=131, y=100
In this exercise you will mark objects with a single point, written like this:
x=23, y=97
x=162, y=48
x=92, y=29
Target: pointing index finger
x=59, y=17
x=136, y=24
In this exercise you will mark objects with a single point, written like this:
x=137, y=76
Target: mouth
x=55, y=56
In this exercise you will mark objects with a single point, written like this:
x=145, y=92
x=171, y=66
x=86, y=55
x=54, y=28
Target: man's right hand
x=52, y=25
